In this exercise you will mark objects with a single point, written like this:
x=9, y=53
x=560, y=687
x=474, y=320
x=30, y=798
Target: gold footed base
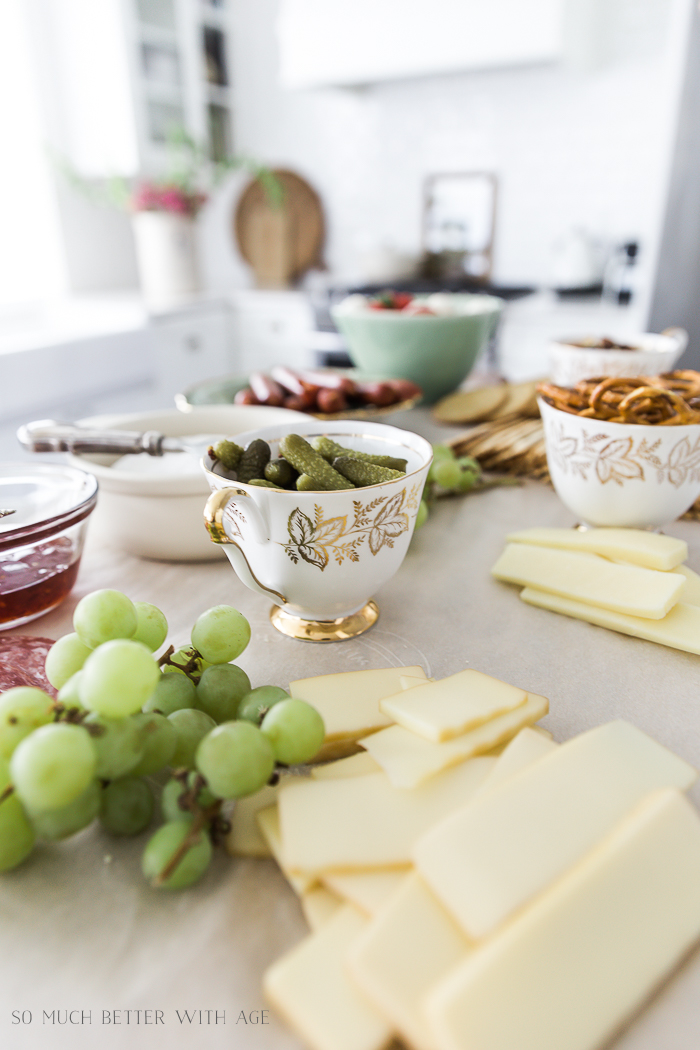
x=339, y=630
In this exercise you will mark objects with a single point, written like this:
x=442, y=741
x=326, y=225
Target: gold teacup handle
x=214, y=520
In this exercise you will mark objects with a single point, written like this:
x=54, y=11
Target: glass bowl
x=41, y=539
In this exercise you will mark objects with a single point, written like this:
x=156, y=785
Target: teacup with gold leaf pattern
x=321, y=555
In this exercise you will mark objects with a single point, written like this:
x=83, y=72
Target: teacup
x=319, y=555
x=621, y=474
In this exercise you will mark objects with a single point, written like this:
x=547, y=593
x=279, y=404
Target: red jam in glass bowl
x=43, y=520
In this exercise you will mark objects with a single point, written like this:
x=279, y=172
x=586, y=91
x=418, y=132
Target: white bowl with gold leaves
x=645, y=354
x=320, y=556
x=621, y=474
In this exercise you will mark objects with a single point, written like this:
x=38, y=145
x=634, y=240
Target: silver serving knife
x=48, y=435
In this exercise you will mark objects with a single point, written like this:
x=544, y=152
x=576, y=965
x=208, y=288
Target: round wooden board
x=471, y=406
x=279, y=242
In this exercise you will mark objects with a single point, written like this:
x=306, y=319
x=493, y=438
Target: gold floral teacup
x=320, y=556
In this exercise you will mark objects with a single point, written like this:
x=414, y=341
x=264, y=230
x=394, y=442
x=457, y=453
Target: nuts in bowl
x=625, y=451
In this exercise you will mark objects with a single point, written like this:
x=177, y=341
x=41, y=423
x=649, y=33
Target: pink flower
x=150, y=196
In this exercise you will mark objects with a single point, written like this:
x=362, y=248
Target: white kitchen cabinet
x=272, y=328
x=191, y=346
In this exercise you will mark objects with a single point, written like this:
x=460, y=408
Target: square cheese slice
x=367, y=890
x=679, y=629
x=526, y=747
x=352, y=766
x=269, y=824
x=318, y=904
x=409, y=760
x=349, y=702
x=245, y=838
x=590, y=579
x=360, y=823
x=444, y=709
x=309, y=987
x=410, y=945
x=491, y=857
x=691, y=591
x=649, y=549
x=572, y=968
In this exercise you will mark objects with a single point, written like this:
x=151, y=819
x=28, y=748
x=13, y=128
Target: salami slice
x=22, y=662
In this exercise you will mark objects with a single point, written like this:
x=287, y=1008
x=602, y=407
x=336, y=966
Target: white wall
x=573, y=145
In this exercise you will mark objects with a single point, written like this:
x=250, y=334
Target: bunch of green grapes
x=122, y=714
x=448, y=475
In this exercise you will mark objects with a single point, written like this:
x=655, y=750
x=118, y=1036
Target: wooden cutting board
x=280, y=241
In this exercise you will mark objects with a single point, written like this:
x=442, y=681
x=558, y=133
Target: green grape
x=151, y=626
x=17, y=835
x=181, y=658
x=173, y=692
x=295, y=730
x=447, y=473
x=65, y=658
x=52, y=766
x=422, y=515
x=221, y=634
x=103, y=615
x=441, y=452
x=158, y=741
x=118, y=745
x=22, y=710
x=466, y=481
x=127, y=806
x=57, y=824
x=191, y=726
x=69, y=694
x=220, y=690
x=162, y=847
x=174, y=790
x=118, y=678
x=235, y=759
x=469, y=463
x=255, y=705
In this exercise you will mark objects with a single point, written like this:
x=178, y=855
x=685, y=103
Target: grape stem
x=189, y=669
x=204, y=817
x=7, y=792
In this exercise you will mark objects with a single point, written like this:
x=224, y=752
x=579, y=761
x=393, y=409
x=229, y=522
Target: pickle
x=263, y=483
x=330, y=450
x=280, y=473
x=299, y=453
x=228, y=454
x=306, y=484
x=362, y=473
x=252, y=462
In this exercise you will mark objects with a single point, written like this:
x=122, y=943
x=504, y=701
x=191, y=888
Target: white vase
x=166, y=253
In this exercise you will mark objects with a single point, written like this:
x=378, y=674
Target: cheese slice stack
x=627, y=580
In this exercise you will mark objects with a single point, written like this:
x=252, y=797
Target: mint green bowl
x=437, y=353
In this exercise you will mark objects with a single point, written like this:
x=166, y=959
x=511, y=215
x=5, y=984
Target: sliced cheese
x=679, y=629
x=310, y=988
x=409, y=946
x=318, y=904
x=577, y=964
x=590, y=579
x=410, y=760
x=349, y=702
x=359, y=823
x=245, y=838
x=691, y=592
x=354, y=766
x=408, y=681
x=441, y=710
x=491, y=857
x=269, y=824
x=650, y=549
x=367, y=890
x=524, y=749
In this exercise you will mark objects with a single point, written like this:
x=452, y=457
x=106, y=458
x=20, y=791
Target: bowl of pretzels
x=624, y=451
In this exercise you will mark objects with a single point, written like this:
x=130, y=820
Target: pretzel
x=672, y=399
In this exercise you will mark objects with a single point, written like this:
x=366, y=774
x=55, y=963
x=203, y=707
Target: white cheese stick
x=571, y=969
x=360, y=823
x=367, y=890
x=679, y=629
x=348, y=702
x=649, y=549
x=491, y=857
x=409, y=946
x=441, y=710
x=310, y=988
x=587, y=578
x=409, y=760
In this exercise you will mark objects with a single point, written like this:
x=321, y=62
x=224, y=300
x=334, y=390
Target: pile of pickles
x=321, y=466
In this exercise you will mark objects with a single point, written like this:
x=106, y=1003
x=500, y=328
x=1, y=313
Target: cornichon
x=306, y=483
x=252, y=462
x=362, y=473
x=280, y=473
x=263, y=483
x=228, y=454
x=330, y=450
x=297, y=451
